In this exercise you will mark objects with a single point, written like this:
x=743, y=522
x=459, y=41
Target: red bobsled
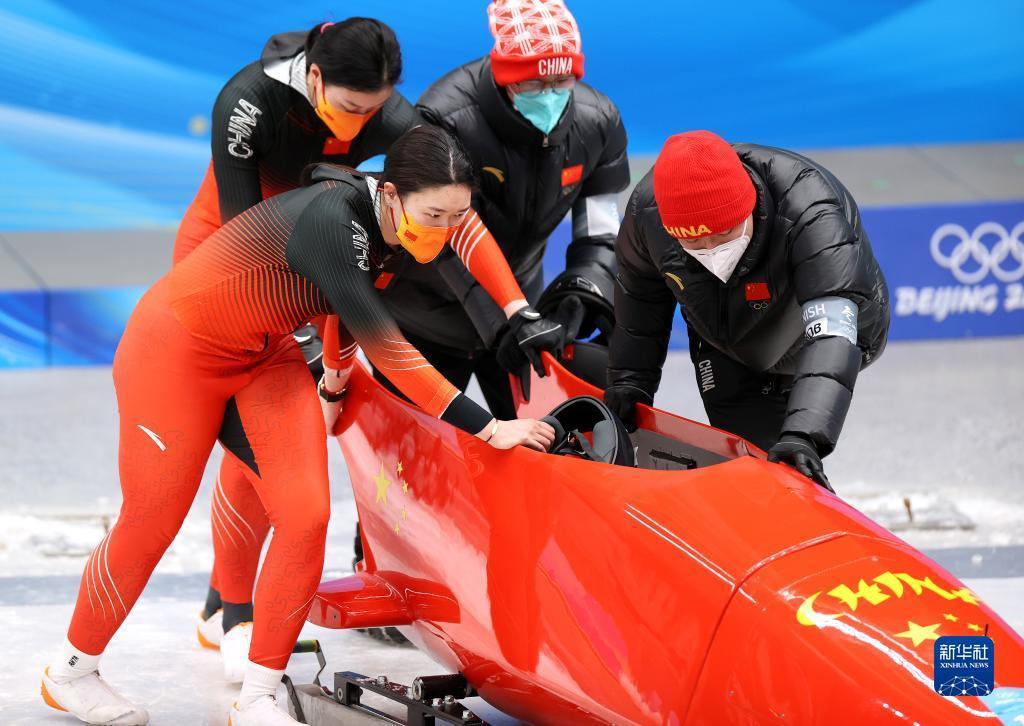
x=705, y=586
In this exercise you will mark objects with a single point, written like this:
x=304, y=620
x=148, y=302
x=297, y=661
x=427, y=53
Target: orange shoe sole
x=47, y=698
x=204, y=642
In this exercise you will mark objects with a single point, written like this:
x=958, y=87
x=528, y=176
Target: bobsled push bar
x=429, y=700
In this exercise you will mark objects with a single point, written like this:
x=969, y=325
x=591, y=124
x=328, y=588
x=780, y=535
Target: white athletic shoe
x=261, y=712
x=91, y=699
x=211, y=631
x=234, y=651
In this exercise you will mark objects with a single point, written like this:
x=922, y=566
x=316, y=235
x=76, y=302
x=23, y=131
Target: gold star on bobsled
x=917, y=634
x=382, y=482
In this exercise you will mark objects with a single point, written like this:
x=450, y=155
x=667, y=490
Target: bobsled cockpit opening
x=664, y=453
x=586, y=428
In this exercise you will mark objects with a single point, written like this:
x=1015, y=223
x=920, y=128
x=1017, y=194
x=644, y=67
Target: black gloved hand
x=591, y=278
x=622, y=400
x=529, y=333
x=800, y=453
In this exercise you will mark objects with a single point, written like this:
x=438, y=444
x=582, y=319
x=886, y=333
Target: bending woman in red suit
x=215, y=332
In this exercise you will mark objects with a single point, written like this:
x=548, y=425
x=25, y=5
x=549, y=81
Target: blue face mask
x=544, y=109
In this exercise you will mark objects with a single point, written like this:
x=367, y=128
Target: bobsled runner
x=672, y=577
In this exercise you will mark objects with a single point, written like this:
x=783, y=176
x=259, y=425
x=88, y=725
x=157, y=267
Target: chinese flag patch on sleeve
x=757, y=291
x=572, y=175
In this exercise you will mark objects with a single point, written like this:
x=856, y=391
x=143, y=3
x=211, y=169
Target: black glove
x=622, y=400
x=529, y=333
x=599, y=312
x=800, y=453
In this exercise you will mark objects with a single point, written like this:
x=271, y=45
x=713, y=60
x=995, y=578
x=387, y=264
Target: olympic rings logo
x=971, y=250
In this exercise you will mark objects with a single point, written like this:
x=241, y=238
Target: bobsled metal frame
x=350, y=686
x=306, y=646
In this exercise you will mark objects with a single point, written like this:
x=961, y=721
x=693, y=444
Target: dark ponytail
x=357, y=53
x=427, y=156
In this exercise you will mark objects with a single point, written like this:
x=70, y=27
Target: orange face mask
x=422, y=242
x=344, y=125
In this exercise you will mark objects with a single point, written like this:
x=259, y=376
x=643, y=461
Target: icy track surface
x=937, y=426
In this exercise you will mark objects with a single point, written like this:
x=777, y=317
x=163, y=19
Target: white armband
x=830, y=316
x=596, y=215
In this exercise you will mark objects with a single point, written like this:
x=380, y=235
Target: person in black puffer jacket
x=784, y=301
x=543, y=144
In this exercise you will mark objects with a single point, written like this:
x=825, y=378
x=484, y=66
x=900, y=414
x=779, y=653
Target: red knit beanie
x=533, y=39
x=700, y=185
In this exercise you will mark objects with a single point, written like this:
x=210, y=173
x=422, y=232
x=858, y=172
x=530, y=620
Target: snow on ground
x=156, y=661
x=937, y=424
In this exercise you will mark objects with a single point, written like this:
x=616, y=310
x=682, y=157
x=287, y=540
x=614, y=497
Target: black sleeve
x=611, y=175
x=322, y=248
x=395, y=118
x=824, y=262
x=643, y=311
x=591, y=253
x=487, y=317
x=240, y=130
x=432, y=117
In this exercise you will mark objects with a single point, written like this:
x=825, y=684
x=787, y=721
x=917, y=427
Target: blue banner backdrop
x=105, y=105
x=953, y=270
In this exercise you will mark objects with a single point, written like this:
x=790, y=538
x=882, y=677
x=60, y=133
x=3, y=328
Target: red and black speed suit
x=264, y=133
x=217, y=331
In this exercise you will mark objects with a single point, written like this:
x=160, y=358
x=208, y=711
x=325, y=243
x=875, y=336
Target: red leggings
x=239, y=521
x=237, y=517
x=240, y=526
x=172, y=391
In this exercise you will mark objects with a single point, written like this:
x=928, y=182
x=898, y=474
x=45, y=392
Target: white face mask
x=722, y=260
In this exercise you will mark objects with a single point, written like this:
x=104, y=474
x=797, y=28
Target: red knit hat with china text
x=700, y=185
x=533, y=39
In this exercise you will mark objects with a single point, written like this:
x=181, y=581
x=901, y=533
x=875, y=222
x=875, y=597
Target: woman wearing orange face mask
x=215, y=333
x=322, y=95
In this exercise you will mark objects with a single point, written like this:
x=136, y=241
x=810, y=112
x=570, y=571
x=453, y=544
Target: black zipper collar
x=764, y=219
x=380, y=251
x=508, y=124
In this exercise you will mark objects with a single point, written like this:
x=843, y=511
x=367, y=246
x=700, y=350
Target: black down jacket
x=528, y=183
x=808, y=244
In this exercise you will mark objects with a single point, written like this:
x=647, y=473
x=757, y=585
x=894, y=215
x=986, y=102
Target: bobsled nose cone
x=845, y=632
